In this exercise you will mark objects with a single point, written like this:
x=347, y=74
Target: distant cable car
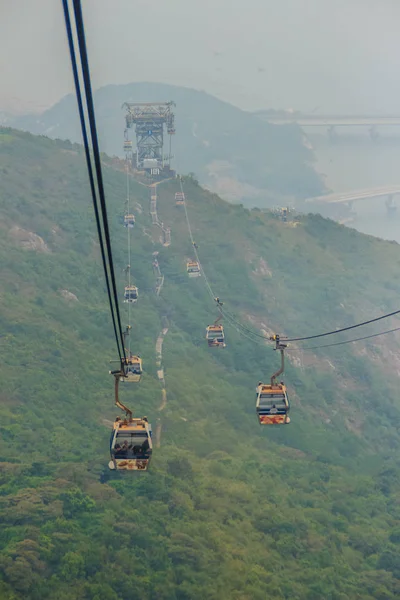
x=193, y=269
x=179, y=198
x=131, y=445
x=131, y=294
x=132, y=370
x=272, y=403
x=215, y=336
x=127, y=146
x=129, y=221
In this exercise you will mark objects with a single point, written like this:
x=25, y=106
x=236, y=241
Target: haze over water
x=355, y=162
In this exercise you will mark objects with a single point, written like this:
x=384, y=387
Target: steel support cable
x=89, y=167
x=194, y=245
x=228, y=317
x=311, y=337
x=240, y=331
x=234, y=322
x=129, y=251
x=248, y=333
x=96, y=154
x=365, y=337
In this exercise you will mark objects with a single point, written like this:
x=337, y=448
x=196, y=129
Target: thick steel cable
x=96, y=153
x=313, y=337
x=365, y=337
x=235, y=324
x=78, y=92
x=129, y=252
x=194, y=245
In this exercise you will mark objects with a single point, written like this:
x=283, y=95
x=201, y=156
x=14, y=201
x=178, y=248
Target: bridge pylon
x=373, y=134
x=332, y=134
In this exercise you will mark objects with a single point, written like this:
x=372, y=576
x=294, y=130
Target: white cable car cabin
x=215, y=336
x=179, y=198
x=193, y=269
x=131, y=445
x=127, y=145
x=272, y=403
x=132, y=370
x=129, y=221
x=131, y=293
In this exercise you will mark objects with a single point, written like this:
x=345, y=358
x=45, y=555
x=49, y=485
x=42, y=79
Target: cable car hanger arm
x=127, y=411
x=281, y=347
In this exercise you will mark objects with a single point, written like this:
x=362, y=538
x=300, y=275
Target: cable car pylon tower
x=150, y=119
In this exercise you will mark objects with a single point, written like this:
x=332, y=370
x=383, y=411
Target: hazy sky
x=324, y=55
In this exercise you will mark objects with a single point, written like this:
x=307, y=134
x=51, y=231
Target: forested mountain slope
x=230, y=150
x=228, y=510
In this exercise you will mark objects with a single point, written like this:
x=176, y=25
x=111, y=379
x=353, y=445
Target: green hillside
x=228, y=510
x=230, y=150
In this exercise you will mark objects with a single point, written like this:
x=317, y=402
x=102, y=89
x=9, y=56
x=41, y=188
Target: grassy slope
x=229, y=510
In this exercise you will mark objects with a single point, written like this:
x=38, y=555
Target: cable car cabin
x=130, y=445
x=130, y=294
x=127, y=146
x=272, y=404
x=129, y=221
x=215, y=336
x=193, y=269
x=179, y=198
x=132, y=370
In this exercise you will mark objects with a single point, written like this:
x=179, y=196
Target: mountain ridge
x=230, y=150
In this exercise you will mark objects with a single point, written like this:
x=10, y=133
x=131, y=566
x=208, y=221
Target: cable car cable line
x=129, y=252
x=106, y=255
x=96, y=150
x=194, y=245
x=225, y=313
x=365, y=337
x=311, y=337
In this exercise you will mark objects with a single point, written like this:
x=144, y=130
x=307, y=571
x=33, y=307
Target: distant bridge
x=328, y=120
x=349, y=197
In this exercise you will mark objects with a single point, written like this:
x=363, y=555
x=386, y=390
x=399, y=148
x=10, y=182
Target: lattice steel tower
x=149, y=119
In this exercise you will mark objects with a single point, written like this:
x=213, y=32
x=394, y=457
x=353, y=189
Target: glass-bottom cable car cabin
x=193, y=269
x=130, y=445
x=179, y=198
x=272, y=404
x=132, y=370
x=129, y=221
x=130, y=293
x=215, y=336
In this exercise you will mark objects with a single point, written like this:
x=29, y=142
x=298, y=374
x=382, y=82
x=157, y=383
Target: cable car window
x=130, y=444
x=268, y=400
